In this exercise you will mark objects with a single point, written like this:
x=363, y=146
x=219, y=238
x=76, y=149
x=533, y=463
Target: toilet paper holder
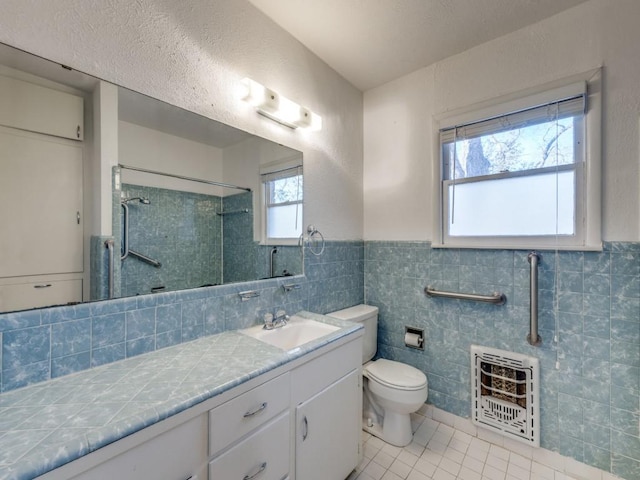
x=414, y=337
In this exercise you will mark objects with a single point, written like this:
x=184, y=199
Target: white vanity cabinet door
x=244, y=413
x=264, y=455
x=328, y=431
x=40, y=204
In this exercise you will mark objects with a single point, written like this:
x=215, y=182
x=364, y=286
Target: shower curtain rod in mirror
x=208, y=182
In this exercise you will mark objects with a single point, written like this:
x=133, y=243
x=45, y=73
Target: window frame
x=295, y=166
x=587, y=171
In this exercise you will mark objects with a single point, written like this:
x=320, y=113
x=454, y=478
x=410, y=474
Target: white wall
x=153, y=150
x=398, y=133
x=193, y=54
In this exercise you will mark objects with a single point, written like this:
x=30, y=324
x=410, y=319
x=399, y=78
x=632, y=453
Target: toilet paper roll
x=412, y=340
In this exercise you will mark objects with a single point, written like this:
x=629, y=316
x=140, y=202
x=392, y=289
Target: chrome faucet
x=271, y=322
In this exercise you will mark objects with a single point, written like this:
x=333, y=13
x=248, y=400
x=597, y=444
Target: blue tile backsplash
x=590, y=404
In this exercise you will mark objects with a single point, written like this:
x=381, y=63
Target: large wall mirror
x=184, y=201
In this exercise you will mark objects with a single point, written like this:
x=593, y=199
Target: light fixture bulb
x=277, y=107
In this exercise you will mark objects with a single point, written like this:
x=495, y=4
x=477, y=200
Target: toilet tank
x=368, y=316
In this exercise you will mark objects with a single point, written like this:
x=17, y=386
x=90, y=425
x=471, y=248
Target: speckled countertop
x=49, y=424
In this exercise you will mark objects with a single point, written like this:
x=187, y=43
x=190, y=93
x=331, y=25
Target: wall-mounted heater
x=505, y=393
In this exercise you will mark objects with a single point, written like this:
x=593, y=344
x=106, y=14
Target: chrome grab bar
x=109, y=245
x=233, y=212
x=533, y=338
x=125, y=242
x=497, y=298
x=125, y=232
x=145, y=259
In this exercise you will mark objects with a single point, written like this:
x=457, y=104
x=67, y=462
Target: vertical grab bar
x=125, y=232
x=109, y=245
x=533, y=338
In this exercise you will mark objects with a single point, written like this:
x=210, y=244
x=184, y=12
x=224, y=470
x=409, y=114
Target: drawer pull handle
x=261, y=469
x=256, y=411
x=45, y=285
x=305, y=430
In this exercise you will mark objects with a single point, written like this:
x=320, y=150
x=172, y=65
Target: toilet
x=392, y=390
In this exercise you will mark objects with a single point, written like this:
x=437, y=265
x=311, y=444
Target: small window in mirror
x=283, y=203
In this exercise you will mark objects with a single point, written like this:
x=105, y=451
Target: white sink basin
x=295, y=333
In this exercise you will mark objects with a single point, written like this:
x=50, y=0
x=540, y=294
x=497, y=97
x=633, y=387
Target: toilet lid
x=396, y=375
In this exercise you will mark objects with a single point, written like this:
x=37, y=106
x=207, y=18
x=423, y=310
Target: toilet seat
x=396, y=375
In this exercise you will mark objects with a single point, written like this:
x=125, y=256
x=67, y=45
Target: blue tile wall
x=590, y=405
x=239, y=254
x=38, y=345
x=179, y=229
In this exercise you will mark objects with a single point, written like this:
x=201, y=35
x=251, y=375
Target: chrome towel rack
x=497, y=298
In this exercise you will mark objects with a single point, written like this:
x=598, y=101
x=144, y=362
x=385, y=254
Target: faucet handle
x=281, y=314
x=268, y=320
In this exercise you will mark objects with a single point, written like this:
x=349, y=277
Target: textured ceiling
x=370, y=42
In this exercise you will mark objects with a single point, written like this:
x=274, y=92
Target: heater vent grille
x=505, y=393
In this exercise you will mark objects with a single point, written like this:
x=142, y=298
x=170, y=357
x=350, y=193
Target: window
x=520, y=178
x=283, y=187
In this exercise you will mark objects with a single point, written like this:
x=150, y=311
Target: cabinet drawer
x=178, y=454
x=39, y=294
x=264, y=455
x=235, y=418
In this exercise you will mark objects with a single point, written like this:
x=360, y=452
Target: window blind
x=531, y=116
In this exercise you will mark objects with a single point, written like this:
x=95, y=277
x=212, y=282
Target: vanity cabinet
x=299, y=421
x=327, y=394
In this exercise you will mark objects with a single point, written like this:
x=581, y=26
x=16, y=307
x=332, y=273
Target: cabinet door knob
x=261, y=469
x=256, y=411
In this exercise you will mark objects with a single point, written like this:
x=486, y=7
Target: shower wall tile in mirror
x=181, y=231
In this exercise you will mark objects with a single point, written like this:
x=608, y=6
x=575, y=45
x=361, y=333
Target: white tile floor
x=441, y=452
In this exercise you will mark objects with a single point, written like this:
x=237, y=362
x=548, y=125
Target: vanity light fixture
x=279, y=108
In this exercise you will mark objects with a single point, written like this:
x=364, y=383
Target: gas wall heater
x=505, y=393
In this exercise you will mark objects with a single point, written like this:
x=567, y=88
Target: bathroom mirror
x=185, y=199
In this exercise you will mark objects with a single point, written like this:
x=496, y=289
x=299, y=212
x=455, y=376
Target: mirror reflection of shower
x=126, y=250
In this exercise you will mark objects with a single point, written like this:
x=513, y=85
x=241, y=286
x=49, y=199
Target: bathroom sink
x=295, y=333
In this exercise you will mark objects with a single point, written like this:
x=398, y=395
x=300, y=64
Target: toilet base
x=395, y=429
